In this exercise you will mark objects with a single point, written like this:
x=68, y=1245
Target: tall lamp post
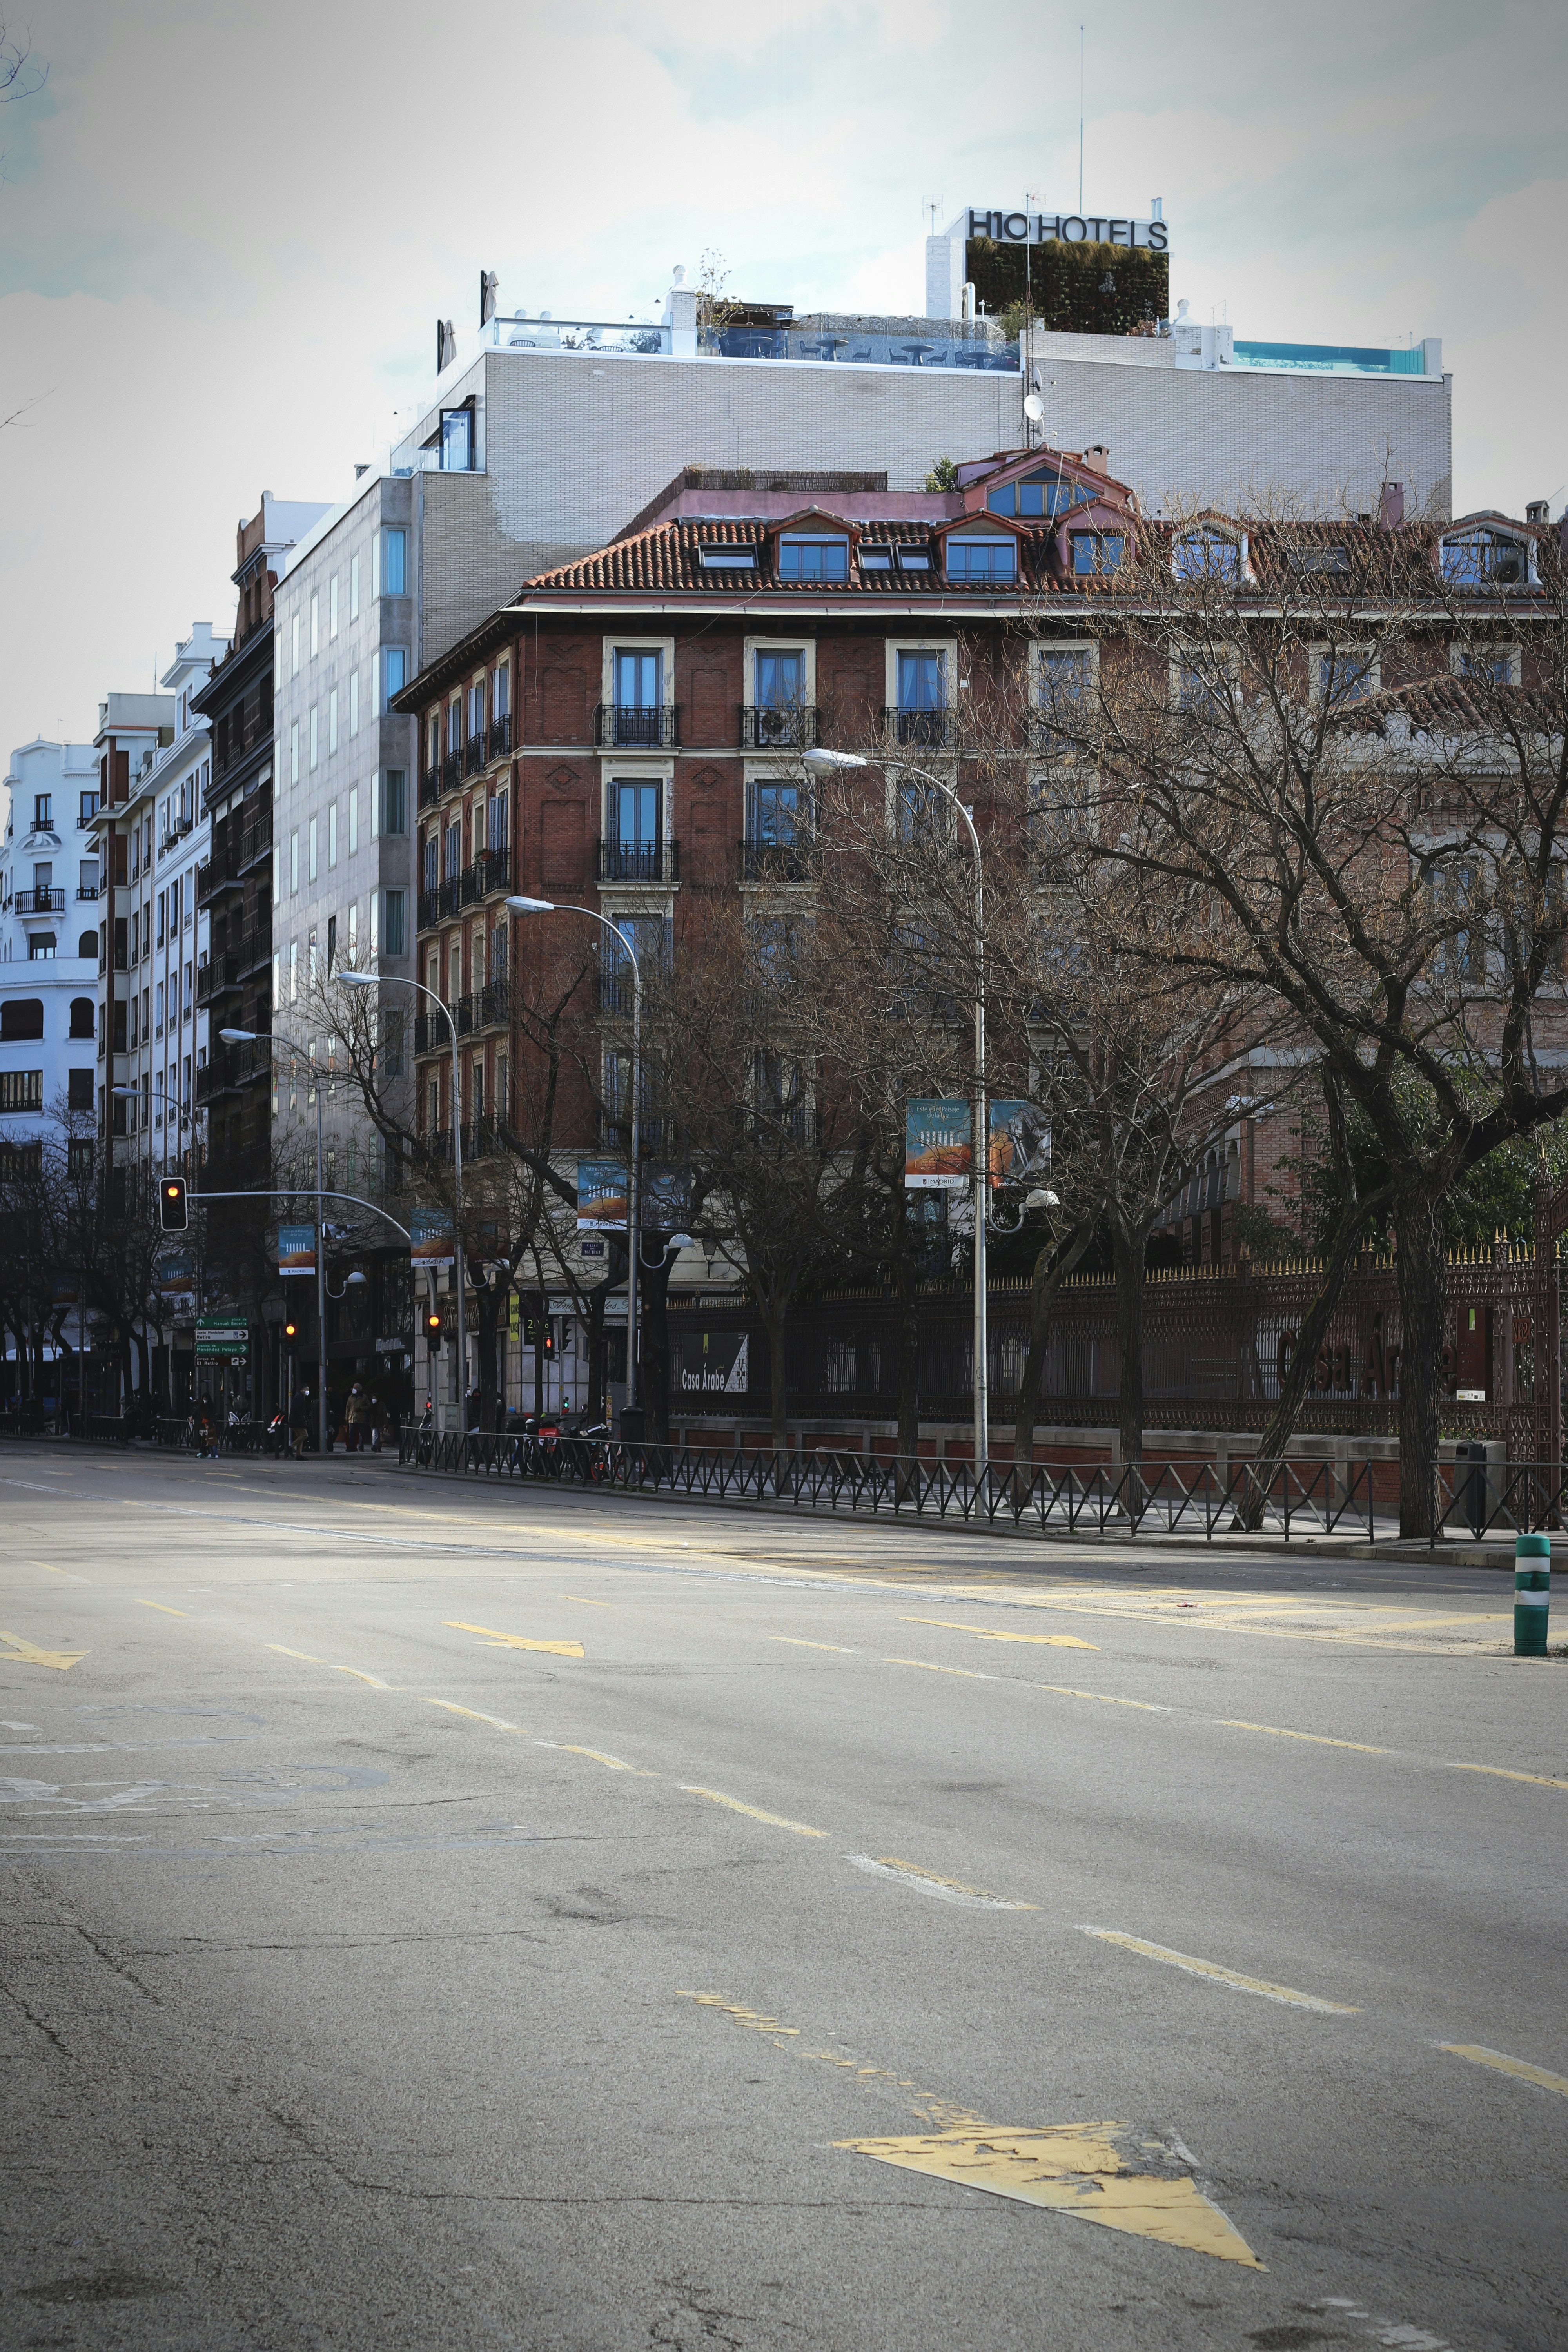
x=379, y=979
x=172, y=1112
x=277, y=1037
x=979, y=1147
x=519, y=906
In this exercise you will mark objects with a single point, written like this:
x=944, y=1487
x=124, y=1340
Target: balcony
x=775, y=862
x=218, y=973
x=789, y=727
x=637, y=861
x=618, y=729
x=427, y=910
x=480, y=1138
x=484, y=1008
x=255, y=843
x=933, y=731
x=232, y=1067
x=85, y=890
x=474, y=754
x=40, y=902
x=210, y=880
x=491, y=870
x=451, y=771
x=429, y=787
x=497, y=743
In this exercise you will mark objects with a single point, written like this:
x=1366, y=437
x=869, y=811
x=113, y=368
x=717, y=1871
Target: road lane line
x=578, y=1601
x=515, y=1641
x=1498, y=1773
x=304, y=1655
x=774, y=1820
x=27, y=1654
x=932, y=1881
x=1518, y=2067
x=1066, y=1690
x=1231, y=1977
x=795, y=1643
x=964, y=1673
x=475, y=1715
x=986, y=1634
x=164, y=1607
x=615, y=1763
x=1317, y=1738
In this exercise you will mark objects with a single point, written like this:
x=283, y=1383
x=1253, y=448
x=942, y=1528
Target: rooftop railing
x=948, y=344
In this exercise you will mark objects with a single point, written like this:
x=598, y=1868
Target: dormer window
x=914, y=559
x=1486, y=559
x=1037, y=495
x=1207, y=555
x=976, y=556
x=1095, y=552
x=814, y=555
x=876, y=559
x=729, y=559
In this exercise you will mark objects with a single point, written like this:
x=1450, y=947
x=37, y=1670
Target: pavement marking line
x=1518, y=2068
x=375, y=1680
x=751, y=2017
x=774, y=1820
x=1232, y=1977
x=1073, y=2169
x=164, y=1607
x=577, y=1600
x=795, y=1643
x=475, y=1715
x=964, y=1673
x=1498, y=1773
x=932, y=1881
x=615, y=1763
x=27, y=1654
x=1066, y=1690
x=986, y=1634
x=1317, y=1738
x=515, y=1641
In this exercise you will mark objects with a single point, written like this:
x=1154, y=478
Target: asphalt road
x=438, y=1918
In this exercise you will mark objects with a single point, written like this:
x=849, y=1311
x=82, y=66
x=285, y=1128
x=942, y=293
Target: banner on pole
x=663, y=1204
x=602, y=1189
x=296, y=1249
x=430, y=1243
x=936, y=1146
x=1019, y=1150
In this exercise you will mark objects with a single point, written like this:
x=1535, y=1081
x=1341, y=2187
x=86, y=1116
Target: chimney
x=1098, y=456
x=1538, y=511
x=1391, y=506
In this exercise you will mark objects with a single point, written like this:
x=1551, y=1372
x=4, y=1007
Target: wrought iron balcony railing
x=785, y=727
x=637, y=861
x=620, y=727
x=774, y=861
x=40, y=902
x=932, y=729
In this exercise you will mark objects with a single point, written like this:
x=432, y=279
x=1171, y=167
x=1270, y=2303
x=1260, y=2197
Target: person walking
x=299, y=1423
x=357, y=1416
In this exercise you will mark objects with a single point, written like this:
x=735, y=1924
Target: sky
x=226, y=232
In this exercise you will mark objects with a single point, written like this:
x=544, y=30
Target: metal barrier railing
x=1120, y=1501
x=1499, y=1497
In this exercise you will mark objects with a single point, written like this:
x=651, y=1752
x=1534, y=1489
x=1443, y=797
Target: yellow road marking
x=795, y=1643
x=1498, y=1773
x=615, y=1763
x=751, y=2017
x=1054, y=1641
x=1232, y=1977
x=964, y=1673
x=29, y=1655
x=774, y=1820
x=516, y=1640
x=1066, y=1690
x=1517, y=2067
x=581, y=1603
x=1071, y=2169
x=932, y=1881
x=1317, y=1738
x=375, y=1680
x=164, y=1607
x=475, y=1714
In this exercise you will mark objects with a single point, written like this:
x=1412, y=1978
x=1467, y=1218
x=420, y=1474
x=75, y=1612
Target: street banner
x=1020, y=1143
x=663, y=1204
x=177, y=1282
x=64, y=1290
x=714, y=1363
x=936, y=1146
x=513, y=1318
x=296, y=1249
x=602, y=1186
x=430, y=1242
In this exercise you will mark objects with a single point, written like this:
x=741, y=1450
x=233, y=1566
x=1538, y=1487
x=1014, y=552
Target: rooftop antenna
x=931, y=204
x=1080, y=121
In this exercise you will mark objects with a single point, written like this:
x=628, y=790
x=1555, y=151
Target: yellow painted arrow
x=31, y=1656
x=1073, y=2169
x=517, y=1641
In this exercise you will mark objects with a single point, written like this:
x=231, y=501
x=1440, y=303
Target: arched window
x=81, y=1016
x=87, y=946
x=21, y=1018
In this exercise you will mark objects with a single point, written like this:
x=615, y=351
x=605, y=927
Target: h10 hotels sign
x=1069, y=228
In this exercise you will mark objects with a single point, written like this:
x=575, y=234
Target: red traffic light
x=173, y=1208
x=433, y=1329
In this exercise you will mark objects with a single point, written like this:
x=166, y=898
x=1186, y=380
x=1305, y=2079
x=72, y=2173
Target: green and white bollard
x=1531, y=1595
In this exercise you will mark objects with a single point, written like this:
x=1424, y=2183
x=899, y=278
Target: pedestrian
x=373, y=1407
x=471, y=1408
x=357, y=1417
x=299, y=1423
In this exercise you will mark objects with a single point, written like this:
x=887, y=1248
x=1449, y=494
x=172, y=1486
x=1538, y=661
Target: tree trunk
x=1130, y=1252
x=488, y=1300
x=775, y=1314
x=1422, y=1269
x=1052, y=1267
x=596, y=1298
x=653, y=1315
x=908, y=1443
x=1343, y=1249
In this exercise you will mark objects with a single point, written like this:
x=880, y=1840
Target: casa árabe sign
x=1069, y=228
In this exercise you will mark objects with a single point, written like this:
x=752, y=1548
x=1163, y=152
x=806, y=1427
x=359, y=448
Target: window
x=81, y=1016
x=88, y=945
x=294, y=754
x=876, y=559
x=814, y=555
x=21, y=1090
x=1095, y=552
x=1040, y=494
x=43, y=812
x=635, y=849
x=501, y=701
x=1200, y=685
x=88, y=808
x=331, y=835
x=497, y=821
x=354, y=816
x=637, y=675
x=1346, y=674
x=1063, y=680
x=981, y=558
x=353, y=702
x=1492, y=669
x=1452, y=884
x=395, y=667
x=332, y=945
x=914, y=559
x=313, y=849
x=774, y=812
x=295, y=672
x=781, y=691
x=22, y=1017
x=1205, y=555
x=394, y=933
x=332, y=720
x=315, y=625
x=354, y=587
x=79, y=1158
x=1485, y=559
x=729, y=559
x=393, y=562
x=315, y=735
x=78, y=1089
x=476, y=709
x=458, y=440
x=294, y=860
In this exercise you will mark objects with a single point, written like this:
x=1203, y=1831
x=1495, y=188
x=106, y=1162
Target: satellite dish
x=1034, y=407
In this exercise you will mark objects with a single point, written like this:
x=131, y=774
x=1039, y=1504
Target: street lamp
x=395, y=979
x=824, y=762
x=276, y=1038
x=519, y=906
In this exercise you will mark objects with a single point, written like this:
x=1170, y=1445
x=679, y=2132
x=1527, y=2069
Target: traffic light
x=290, y=1332
x=173, y=1208
x=433, y=1329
